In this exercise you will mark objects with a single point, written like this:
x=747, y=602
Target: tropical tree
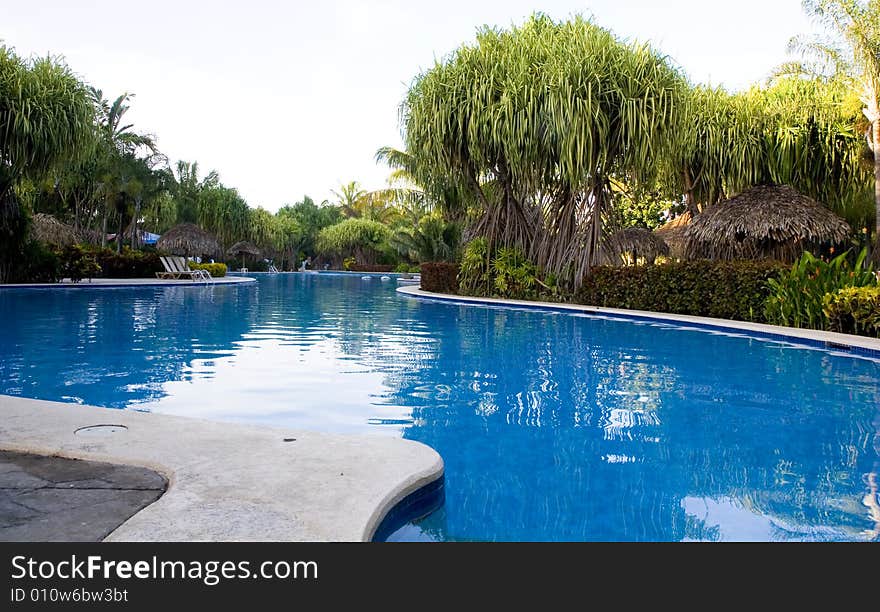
x=535, y=121
x=45, y=119
x=350, y=199
x=309, y=219
x=854, y=52
x=432, y=239
x=359, y=238
x=187, y=189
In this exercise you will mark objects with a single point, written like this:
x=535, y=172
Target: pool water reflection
x=553, y=426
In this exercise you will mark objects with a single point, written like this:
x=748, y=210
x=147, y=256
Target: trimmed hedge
x=722, y=289
x=128, y=264
x=439, y=277
x=216, y=270
x=356, y=267
x=854, y=310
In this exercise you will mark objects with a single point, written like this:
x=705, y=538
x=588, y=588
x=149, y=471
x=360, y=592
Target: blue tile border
x=580, y=309
x=418, y=504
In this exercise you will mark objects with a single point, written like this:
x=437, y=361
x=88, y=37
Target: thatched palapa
x=672, y=233
x=630, y=245
x=767, y=222
x=189, y=239
x=50, y=230
x=243, y=247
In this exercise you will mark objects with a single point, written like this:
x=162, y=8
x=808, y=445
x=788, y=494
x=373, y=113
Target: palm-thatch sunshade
x=631, y=245
x=766, y=222
x=50, y=230
x=243, y=248
x=188, y=239
x=672, y=233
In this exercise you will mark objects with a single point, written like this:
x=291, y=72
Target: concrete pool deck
x=231, y=482
x=96, y=283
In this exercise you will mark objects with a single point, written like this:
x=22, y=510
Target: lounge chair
x=176, y=267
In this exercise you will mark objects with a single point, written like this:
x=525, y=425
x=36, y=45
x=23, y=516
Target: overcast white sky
x=292, y=98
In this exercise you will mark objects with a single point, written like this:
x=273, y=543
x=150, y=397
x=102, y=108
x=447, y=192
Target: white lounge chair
x=177, y=267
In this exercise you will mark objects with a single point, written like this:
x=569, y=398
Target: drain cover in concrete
x=50, y=499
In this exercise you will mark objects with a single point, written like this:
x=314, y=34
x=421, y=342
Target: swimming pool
x=553, y=426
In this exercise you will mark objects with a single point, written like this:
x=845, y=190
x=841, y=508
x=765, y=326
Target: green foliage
x=348, y=263
x=216, y=270
x=854, y=310
x=310, y=219
x=77, y=263
x=722, y=289
x=45, y=116
x=439, y=277
x=475, y=275
x=127, y=264
x=432, y=239
x=38, y=264
x=515, y=277
x=797, y=295
x=504, y=273
x=358, y=238
x=405, y=268
x=535, y=120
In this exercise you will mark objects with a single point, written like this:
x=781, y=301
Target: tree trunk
x=119, y=235
x=135, y=243
x=689, y=194
x=104, y=230
x=876, y=130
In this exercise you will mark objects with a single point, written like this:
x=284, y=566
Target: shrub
x=854, y=310
x=475, y=275
x=797, y=296
x=721, y=289
x=76, y=263
x=514, y=276
x=128, y=263
x=405, y=268
x=216, y=270
x=439, y=277
x=38, y=264
x=356, y=267
x=348, y=262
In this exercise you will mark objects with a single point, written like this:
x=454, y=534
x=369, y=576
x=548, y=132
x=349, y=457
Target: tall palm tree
x=350, y=199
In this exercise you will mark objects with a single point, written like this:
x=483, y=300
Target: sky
x=286, y=99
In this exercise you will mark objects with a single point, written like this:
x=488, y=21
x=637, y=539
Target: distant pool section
x=552, y=425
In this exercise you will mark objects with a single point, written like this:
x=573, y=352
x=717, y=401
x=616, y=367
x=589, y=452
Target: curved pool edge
x=234, y=482
x=821, y=339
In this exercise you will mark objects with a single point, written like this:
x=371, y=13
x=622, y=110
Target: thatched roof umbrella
x=48, y=229
x=243, y=247
x=188, y=239
x=767, y=222
x=672, y=233
x=631, y=244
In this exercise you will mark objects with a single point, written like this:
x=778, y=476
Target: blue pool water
x=552, y=426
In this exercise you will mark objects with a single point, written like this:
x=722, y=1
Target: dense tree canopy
x=536, y=121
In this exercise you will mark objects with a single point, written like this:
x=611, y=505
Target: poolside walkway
x=50, y=499
x=134, y=282
x=231, y=482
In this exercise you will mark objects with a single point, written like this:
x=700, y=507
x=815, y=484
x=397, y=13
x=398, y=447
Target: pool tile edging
x=821, y=339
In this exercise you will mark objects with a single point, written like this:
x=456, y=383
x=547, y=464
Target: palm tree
x=350, y=199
